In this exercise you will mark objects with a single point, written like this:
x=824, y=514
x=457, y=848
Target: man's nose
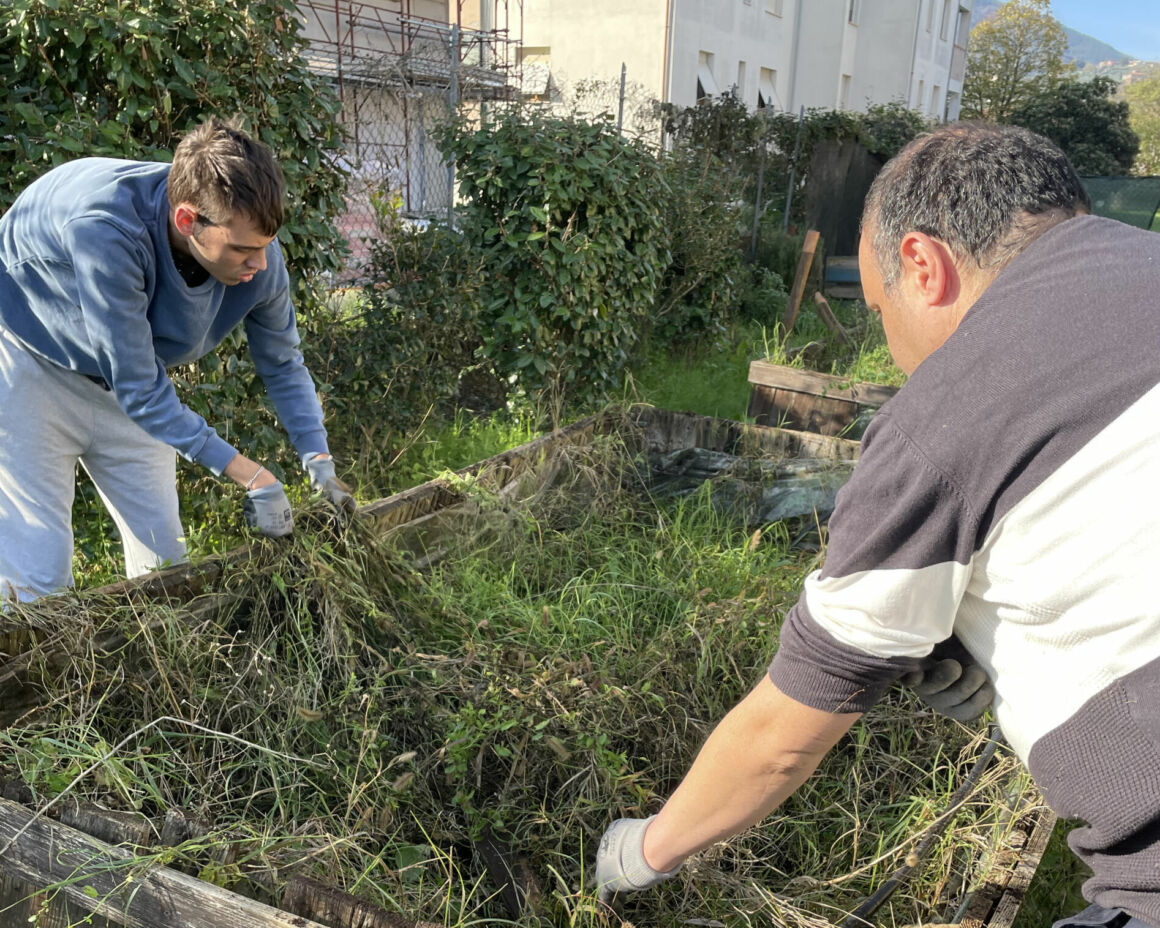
x=257, y=261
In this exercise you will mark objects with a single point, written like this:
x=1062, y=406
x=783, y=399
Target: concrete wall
x=937, y=77
x=591, y=39
x=886, y=43
x=742, y=38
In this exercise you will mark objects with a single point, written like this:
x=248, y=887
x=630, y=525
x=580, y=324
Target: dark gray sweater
x=1010, y=494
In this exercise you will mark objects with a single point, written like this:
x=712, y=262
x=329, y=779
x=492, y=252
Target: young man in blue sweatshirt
x=111, y=272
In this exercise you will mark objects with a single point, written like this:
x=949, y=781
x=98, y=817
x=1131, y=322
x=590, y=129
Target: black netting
x=1133, y=200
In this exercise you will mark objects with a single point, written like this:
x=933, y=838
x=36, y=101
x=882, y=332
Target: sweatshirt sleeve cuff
x=216, y=454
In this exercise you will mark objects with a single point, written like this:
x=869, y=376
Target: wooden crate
x=790, y=398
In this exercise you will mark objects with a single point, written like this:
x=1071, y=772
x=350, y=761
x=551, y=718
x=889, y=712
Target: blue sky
x=1132, y=26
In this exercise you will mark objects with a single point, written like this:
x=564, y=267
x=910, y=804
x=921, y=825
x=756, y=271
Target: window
x=920, y=104
x=706, y=83
x=935, y=110
x=844, y=93
x=946, y=20
x=740, y=85
x=964, y=27
x=535, y=63
x=852, y=12
x=930, y=14
x=767, y=88
x=773, y=6
x=533, y=54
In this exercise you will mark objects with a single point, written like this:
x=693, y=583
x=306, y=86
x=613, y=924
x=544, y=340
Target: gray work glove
x=268, y=510
x=620, y=864
x=952, y=684
x=323, y=479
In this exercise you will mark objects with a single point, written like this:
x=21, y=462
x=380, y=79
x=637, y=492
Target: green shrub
x=396, y=350
x=568, y=219
x=762, y=296
x=702, y=213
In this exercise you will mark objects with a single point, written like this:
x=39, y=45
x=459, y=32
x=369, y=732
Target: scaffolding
x=399, y=66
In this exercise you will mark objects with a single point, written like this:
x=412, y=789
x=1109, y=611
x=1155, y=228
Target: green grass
x=334, y=712
x=1055, y=890
x=711, y=378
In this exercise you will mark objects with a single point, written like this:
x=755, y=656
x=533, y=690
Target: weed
x=332, y=711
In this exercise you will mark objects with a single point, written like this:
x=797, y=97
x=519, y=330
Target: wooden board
x=995, y=903
x=787, y=397
x=89, y=875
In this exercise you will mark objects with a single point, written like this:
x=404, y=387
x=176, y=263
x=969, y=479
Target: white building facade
x=833, y=54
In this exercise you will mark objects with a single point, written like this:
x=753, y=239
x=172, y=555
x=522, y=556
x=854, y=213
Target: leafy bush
x=704, y=217
x=398, y=348
x=761, y=296
x=779, y=252
x=568, y=219
x=97, y=77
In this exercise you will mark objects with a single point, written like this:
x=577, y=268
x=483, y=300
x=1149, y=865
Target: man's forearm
x=762, y=751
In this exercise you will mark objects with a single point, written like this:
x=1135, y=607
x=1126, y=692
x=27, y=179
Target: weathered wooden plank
x=663, y=431
x=97, y=877
x=122, y=828
x=337, y=909
x=809, y=247
x=788, y=410
x=816, y=384
x=1003, y=915
x=22, y=904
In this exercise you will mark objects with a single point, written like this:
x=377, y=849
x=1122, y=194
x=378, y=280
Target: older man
x=110, y=273
x=1007, y=495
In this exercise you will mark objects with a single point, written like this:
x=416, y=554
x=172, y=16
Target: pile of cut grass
x=330, y=710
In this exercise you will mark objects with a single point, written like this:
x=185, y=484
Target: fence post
x=757, y=199
x=792, y=169
x=620, y=112
x=453, y=99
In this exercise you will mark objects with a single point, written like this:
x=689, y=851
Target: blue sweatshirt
x=87, y=281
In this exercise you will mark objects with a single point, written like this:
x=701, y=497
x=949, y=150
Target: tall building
x=839, y=54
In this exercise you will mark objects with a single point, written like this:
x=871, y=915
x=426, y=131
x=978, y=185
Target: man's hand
x=954, y=689
x=322, y=477
x=620, y=863
x=268, y=510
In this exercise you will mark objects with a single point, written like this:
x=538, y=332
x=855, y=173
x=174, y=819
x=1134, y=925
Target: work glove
x=323, y=479
x=620, y=864
x=951, y=683
x=268, y=510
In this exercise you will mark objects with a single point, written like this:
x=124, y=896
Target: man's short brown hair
x=222, y=171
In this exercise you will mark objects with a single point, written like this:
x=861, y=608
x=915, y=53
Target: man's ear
x=185, y=218
x=929, y=269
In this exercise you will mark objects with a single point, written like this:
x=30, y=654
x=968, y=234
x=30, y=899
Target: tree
x=1013, y=57
x=1083, y=119
x=1144, y=116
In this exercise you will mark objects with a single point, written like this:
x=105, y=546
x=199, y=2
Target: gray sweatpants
x=51, y=420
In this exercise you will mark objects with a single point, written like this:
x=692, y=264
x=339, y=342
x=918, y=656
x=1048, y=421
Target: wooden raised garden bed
x=790, y=398
x=64, y=863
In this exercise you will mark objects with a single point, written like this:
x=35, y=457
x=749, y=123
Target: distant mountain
x=1081, y=48
x=1084, y=50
